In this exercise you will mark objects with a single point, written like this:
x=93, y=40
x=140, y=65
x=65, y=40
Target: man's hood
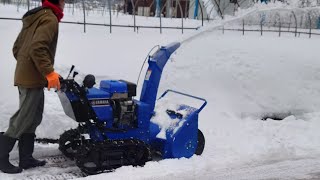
x=31, y=16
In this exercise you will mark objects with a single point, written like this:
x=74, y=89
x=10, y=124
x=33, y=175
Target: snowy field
x=243, y=78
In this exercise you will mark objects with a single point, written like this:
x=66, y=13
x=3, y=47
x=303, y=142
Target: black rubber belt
x=47, y=140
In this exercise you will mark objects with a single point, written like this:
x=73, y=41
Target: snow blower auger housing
x=115, y=129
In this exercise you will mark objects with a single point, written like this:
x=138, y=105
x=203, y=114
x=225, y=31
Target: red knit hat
x=55, y=8
x=52, y=1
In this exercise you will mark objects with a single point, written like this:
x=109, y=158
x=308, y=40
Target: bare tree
x=217, y=5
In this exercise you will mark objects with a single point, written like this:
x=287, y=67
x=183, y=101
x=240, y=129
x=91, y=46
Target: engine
x=111, y=104
x=120, y=101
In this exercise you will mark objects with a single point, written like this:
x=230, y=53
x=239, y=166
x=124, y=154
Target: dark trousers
x=29, y=115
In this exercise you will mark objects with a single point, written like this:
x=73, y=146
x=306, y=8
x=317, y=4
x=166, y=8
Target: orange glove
x=53, y=80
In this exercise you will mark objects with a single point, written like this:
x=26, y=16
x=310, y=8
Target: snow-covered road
x=60, y=168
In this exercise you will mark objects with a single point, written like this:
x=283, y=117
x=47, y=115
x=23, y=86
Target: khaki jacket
x=35, y=48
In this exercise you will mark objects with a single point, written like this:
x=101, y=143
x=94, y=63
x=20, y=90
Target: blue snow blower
x=116, y=130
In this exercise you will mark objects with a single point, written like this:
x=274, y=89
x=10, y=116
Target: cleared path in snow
x=59, y=168
x=308, y=168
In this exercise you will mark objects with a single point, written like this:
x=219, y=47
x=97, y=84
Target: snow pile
x=290, y=3
x=303, y=3
x=163, y=119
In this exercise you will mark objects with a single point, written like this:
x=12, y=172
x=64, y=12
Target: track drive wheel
x=201, y=143
x=68, y=143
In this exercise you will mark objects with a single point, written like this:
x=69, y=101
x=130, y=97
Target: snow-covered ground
x=243, y=78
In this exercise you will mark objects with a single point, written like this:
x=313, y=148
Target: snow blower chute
x=116, y=130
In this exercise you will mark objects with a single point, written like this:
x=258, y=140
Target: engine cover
x=118, y=89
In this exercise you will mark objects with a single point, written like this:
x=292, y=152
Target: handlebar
x=188, y=95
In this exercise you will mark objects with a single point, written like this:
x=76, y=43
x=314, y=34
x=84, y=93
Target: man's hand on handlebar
x=53, y=79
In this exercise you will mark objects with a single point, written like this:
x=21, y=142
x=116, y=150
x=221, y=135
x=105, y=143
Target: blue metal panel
x=95, y=134
x=104, y=113
x=142, y=132
x=98, y=100
x=71, y=96
x=113, y=86
x=139, y=133
x=144, y=114
x=184, y=142
x=154, y=130
x=153, y=75
x=97, y=93
x=181, y=141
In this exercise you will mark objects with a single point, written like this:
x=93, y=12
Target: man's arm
x=40, y=45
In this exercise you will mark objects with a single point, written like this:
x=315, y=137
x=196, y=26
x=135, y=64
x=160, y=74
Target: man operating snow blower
x=34, y=50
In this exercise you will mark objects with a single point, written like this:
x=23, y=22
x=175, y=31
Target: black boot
x=26, y=147
x=7, y=144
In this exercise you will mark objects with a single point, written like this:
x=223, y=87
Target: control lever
x=72, y=67
x=173, y=114
x=74, y=74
